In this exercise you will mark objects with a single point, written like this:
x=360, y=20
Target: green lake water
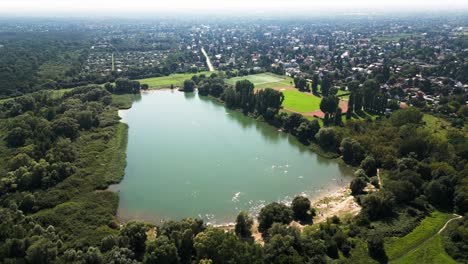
x=189, y=156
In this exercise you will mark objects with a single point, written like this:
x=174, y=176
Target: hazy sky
x=127, y=7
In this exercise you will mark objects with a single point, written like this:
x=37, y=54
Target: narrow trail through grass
x=402, y=250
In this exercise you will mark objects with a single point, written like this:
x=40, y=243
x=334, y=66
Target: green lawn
x=264, y=80
x=401, y=248
x=165, y=82
x=300, y=102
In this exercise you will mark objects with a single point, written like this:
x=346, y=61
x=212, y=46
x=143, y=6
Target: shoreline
x=337, y=202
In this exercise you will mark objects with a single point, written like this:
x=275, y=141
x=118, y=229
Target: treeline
x=125, y=86
x=24, y=240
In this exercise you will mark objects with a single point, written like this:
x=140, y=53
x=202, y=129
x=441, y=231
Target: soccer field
x=263, y=80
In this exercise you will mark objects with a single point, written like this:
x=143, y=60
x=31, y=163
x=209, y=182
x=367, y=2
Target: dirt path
x=443, y=228
x=208, y=61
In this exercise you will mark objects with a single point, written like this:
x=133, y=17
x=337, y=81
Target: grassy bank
x=420, y=239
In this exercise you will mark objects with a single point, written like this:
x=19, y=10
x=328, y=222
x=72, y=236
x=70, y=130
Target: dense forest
x=30, y=62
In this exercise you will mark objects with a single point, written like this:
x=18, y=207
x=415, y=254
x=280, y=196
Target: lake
x=189, y=156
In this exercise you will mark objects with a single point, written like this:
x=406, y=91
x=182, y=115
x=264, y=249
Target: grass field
x=437, y=125
x=165, y=82
x=402, y=249
x=300, y=102
x=264, y=80
x=431, y=251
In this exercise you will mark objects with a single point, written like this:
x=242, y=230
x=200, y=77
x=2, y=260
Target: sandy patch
x=337, y=202
x=340, y=203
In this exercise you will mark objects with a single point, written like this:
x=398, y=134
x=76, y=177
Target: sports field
x=175, y=79
x=300, y=102
x=264, y=80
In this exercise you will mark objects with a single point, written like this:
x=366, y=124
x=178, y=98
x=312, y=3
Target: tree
x=121, y=256
x=328, y=105
x=307, y=130
x=338, y=120
x=86, y=119
x=349, y=112
x=230, y=97
x=301, y=206
x=326, y=85
x=123, y=85
x=292, y=122
x=244, y=89
x=161, y=250
x=268, y=98
x=357, y=185
x=378, y=205
x=375, y=246
x=189, y=86
x=65, y=126
x=315, y=83
x=353, y=86
x=93, y=256
x=42, y=251
x=439, y=194
x=327, y=138
x=243, y=225
x=300, y=83
x=17, y=136
x=280, y=249
x=225, y=247
x=369, y=166
x=274, y=213
x=352, y=151
x=135, y=232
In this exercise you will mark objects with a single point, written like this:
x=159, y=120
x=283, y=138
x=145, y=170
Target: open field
x=402, y=249
x=165, y=82
x=264, y=80
x=56, y=93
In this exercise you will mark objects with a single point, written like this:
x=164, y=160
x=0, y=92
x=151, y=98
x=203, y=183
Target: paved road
x=208, y=61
